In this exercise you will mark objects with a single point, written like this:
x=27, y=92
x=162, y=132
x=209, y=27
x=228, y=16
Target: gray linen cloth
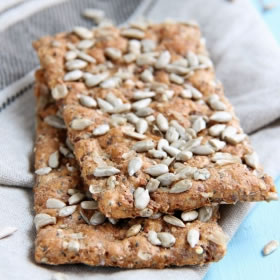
x=247, y=62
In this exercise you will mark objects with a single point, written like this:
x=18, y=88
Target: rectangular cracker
x=223, y=168
x=75, y=239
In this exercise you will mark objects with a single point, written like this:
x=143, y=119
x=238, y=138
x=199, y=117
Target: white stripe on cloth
x=8, y=4
x=23, y=11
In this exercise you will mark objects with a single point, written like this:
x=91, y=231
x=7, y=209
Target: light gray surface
x=245, y=68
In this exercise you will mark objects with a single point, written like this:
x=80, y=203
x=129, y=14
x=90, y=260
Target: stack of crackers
x=136, y=148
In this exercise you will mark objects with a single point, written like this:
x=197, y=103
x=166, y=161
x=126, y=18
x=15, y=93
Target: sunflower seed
x=205, y=60
x=180, y=129
x=162, y=122
x=144, y=112
x=205, y=213
x=54, y=203
x=141, y=198
x=177, y=69
x=216, y=130
x=217, y=105
x=73, y=246
x=157, y=154
x=228, y=132
x=134, y=47
x=270, y=247
x=179, y=144
x=189, y=216
x=203, y=150
x=87, y=101
x=43, y=219
x=55, y=121
x=192, y=59
x=181, y=186
x=147, y=76
x=222, y=117
x=101, y=130
x=122, y=108
x=83, y=32
x=185, y=172
x=168, y=161
x=80, y=124
x=43, y=171
x=161, y=144
x=113, y=221
x=184, y=156
x=104, y=105
x=94, y=14
x=132, y=118
x=166, y=179
x=105, y=171
x=191, y=144
x=199, y=124
x=236, y=138
x=94, y=80
x=225, y=158
x=218, y=237
x=163, y=60
x=89, y=205
x=141, y=24
x=141, y=94
x=84, y=56
x=97, y=219
x=147, y=212
x=113, y=53
x=145, y=59
x=53, y=161
x=67, y=211
x=167, y=239
x=133, y=230
x=70, y=55
x=85, y=44
x=201, y=174
x=95, y=189
x=117, y=120
x=75, y=64
x=191, y=133
x=134, y=165
x=148, y=45
x=7, y=231
x=193, y=237
x=143, y=146
x=152, y=185
x=217, y=144
x=176, y=79
x=59, y=91
x=115, y=101
x=157, y=170
x=153, y=238
x=186, y=93
x=132, y=33
x=76, y=198
x=135, y=135
x=141, y=104
x=171, y=134
x=173, y=221
x=129, y=58
x=111, y=83
x=73, y=75
x=155, y=216
x=252, y=160
x=141, y=126
x=172, y=151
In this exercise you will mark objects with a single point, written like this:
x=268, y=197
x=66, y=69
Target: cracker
x=71, y=239
x=224, y=166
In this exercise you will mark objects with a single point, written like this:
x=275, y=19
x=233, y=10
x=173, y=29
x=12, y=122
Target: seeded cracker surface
x=76, y=239
x=211, y=153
